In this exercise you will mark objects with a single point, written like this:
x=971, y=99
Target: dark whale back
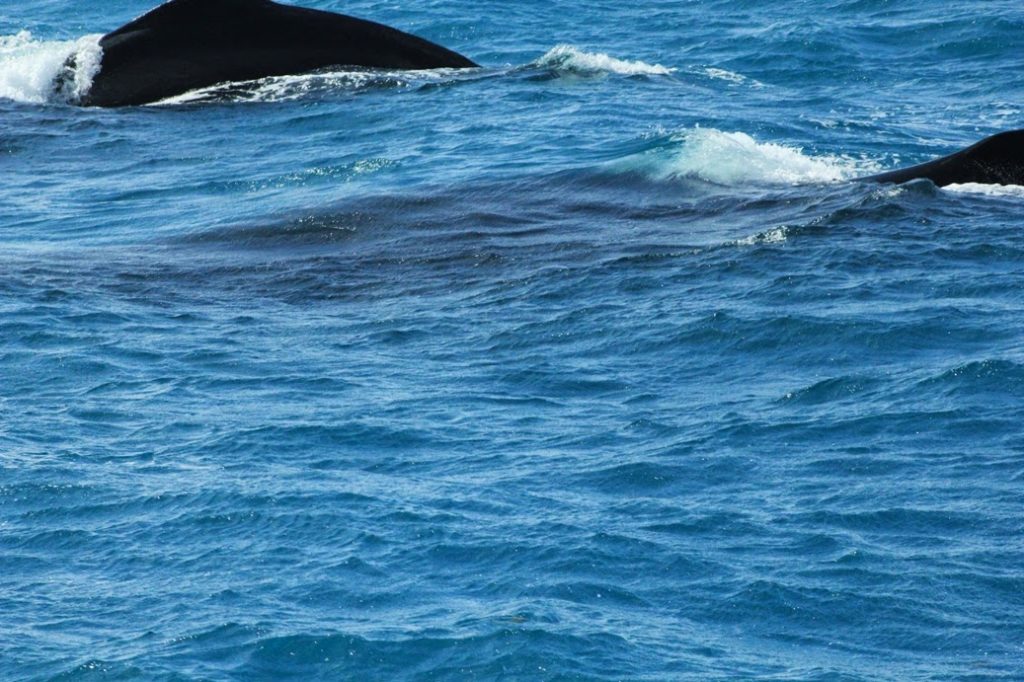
x=183, y=45
x=996, y=160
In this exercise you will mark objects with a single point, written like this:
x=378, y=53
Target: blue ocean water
x=587, y=365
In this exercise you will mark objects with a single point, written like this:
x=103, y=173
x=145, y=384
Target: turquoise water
x=588, y=365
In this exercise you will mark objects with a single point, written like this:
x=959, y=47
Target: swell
x=246, y=652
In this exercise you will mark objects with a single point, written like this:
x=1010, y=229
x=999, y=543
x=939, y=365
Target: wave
x=29, y=68
x=735, y=158
x=570, y=59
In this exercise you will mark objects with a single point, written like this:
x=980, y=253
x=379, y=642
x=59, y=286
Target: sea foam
x=572, y=59
x=29, y=68
x=736, y=158
x=986, y=190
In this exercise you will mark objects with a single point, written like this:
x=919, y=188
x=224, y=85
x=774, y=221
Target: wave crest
x=736, y=158
x=571, y=59
x=37, y=72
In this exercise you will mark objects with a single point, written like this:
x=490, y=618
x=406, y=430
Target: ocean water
x=590, y=364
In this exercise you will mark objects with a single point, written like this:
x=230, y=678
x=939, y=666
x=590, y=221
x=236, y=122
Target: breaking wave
x=29, y=68
x=736, y=158
x=571, y=59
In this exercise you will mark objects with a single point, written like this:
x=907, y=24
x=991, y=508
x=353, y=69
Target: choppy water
x=584, y=366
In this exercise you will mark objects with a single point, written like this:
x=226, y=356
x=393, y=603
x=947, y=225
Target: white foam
x=723, y=75
x=299, y=86
x=889, y=192
x=730, y=77
x=774, y=236
x=986, y=190
x=569, y=58
x=737, y=159
x=29, y=67
x=274, y=89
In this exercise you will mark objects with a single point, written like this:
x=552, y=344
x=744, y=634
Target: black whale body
x=183, y=45
x=996, y=160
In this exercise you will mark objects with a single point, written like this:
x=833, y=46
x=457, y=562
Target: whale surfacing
x=996, y=160
x=184, y=45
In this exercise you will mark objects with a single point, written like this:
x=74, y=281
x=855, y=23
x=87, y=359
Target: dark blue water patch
x=832, y=390
x=510, y=651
